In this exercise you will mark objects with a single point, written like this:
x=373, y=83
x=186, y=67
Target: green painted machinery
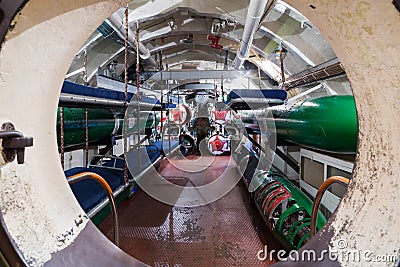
x=284, y=207
x=286, y=210
x=327, y=123
x=102, y=124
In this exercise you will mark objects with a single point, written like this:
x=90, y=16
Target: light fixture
x=188, y=39
x=112, y=67
x=217, y=25
x=280, y=52
x=172, y=25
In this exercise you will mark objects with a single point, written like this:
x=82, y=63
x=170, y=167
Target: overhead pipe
x=117, y=23
x=254, y=14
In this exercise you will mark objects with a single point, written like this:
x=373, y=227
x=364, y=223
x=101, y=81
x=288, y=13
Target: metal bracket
x=14, y=143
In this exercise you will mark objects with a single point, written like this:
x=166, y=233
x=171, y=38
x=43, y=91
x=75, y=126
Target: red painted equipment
x=214, y=41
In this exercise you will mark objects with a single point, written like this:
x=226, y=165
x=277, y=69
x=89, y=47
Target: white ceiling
x=179, y=29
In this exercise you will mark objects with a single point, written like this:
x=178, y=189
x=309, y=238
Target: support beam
x=195, y=74
x=320, y=72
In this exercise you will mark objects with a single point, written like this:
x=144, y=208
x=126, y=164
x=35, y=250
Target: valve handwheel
x=217, y=144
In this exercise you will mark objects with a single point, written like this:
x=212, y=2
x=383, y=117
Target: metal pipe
x=281, y=57
x=84, y=74
x=314, y=215
x=116, y=22
x=85, y=175
x=253, y=18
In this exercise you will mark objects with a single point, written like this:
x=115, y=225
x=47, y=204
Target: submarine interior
x=199, y=133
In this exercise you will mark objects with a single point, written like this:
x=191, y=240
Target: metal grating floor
x=228, y=232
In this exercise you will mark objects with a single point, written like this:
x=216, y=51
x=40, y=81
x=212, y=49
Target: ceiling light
x=172, y=25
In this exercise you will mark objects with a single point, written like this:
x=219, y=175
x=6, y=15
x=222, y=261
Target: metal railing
x=90, y=175
x=314, y=215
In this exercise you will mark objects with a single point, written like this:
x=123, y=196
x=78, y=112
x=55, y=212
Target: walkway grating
x=228, y=232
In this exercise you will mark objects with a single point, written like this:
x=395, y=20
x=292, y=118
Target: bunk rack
x=150, y=155
x=89, y=193
x=107, y=108
x=78, y=95
x=92, y=197
x=104, y=110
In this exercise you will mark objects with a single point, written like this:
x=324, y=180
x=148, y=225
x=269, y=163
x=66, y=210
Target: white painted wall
x=76, y=158
x=284, y=167
x=73, y=159
x=118, y=148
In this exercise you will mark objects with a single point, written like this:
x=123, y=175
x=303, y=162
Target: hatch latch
x=14, y=143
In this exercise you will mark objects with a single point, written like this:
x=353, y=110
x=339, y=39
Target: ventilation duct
x=254, y=15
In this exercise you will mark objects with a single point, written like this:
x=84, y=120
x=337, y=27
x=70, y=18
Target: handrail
x=331, y=180
x=85, y=175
